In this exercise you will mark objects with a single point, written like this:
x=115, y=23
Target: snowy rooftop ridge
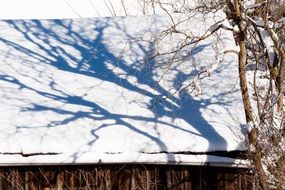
x=84, y=90
x=54, y=9
x=66, y=9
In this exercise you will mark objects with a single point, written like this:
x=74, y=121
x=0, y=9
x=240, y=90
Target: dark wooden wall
x=123, y=177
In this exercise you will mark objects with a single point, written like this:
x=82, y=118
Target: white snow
x=126, y=157
x=55, y=9
x=52, y=9
x=269, y=44
x=83, y=89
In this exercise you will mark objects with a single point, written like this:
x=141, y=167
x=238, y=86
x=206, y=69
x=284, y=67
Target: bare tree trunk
x=281, y=55
x=243, y=81
x=240, y=38
x=280, y=83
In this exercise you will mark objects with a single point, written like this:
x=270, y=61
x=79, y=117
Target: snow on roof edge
x=123, y=158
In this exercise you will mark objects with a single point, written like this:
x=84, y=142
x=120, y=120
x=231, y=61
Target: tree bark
x=235, y=8
x=243, y=80
x=280, y=83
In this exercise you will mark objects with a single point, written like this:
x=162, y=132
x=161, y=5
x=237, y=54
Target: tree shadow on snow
x=54, y=38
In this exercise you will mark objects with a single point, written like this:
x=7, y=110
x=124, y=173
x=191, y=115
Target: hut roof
x=89, y=91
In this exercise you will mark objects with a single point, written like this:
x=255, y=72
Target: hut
x=85, y=104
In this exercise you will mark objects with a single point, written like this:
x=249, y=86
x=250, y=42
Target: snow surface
x=55, y=9
x=126, y=157
x=52, y=9
x=84, y=91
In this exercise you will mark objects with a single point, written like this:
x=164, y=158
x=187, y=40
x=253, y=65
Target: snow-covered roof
x=84, y=91
x=52, y=9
